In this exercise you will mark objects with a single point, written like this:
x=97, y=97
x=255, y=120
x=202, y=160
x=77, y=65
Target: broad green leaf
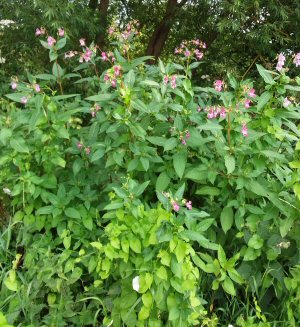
x=72, y=213
x=228, y=286
x=263, y=99
x=19, y=145
x=226, y=219
x=162, y=181
x=98, y=154
x=208, y=190
x=222, y=257
x=170, y=144
x=229, y=163
x=179, y=162
x=104, y=97
x=265, y=74
x=135, y=244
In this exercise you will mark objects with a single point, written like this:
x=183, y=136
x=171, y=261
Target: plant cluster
x=134, y=198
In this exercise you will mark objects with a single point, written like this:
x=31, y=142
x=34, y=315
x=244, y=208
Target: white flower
x=2, y=60
x=7, y=191
x=136, y=283
x=286, y=102
x=230, y=325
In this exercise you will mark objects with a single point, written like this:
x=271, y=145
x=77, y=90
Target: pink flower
x=82, y=42
x=87, y=151
x=61, y=32
x=183, y=141
x=223, y=113
x=114, y=83
x=51, y=41
x=244, y=130
x=24, y=100
x=166, y=79
x=37, y=88
x=111, y=30
x=176, y=51
x=117, y=70
x=296, y=60
x=280, y=63
x=104, y=56
x=199, y=109
x=13, y=85
x=286, y=102
x=40, y=31
x=106, y=77
x=70, y=54
x=187, y=135
x=247, y=103
x=187, y=53
x=218, y=85
x=87, y=55
x=173, y=81
x=176, y=206
x=188, y=204
x=210, y=114
x=79, y=145
x=251, y=93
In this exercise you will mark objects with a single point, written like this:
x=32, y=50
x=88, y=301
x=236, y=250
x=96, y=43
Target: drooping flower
x=51, y=41
x=7, y=191
x=61, y=32
x=70, y=54
x=176, y=206
x=166, y=79
x=13, y=85
x=87, y=150
x=280, y=63
x=87, y=55
x=114, y=83
x=173, y=81
x=296, y=60
x=218, y=84
x=286, y=102
x=82, y=42
x=79, y=145
x=111, y=30
x=24, y=100
x=187, y=53
x=40, y=31
x=244, y=130
x=251, y=93
x=106, y=77
x=37, y=88
x=183, y=141
x=223, y=112
x=187, y=135
x=104, y=56
x=117, y=70
x=136, y=283
x=188, y=204
x=247, y=103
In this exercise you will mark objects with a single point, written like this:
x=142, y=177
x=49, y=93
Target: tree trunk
x=103, y=10
x=161, y=32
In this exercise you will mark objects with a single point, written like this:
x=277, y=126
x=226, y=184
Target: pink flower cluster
x=112, y=75
x=192, y=48
x=94, y=110
x=184, y=136
x=80, y=146
x=40, y=31
x=51, y=41
x=218, y=84
x=86, y=55
x=132, y=28
x=296, y=60
x=61, y=32
x=286, y=102
x=175, y=204
x=244, y=129
x=70, y=54
x=172, y=80
x=108, y=56
x=280, y=63
x=215, y=112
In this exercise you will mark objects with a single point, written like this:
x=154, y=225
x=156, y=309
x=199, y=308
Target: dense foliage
x=134, y=197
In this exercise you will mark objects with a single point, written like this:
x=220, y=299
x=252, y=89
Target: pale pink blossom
x=176, y=206
x=104, y=56
x=173, y=81
x=87, y=55
x=111, y=30
x=223, y=113
x=79, y=145
x=24, y=100
x=218, y=84
x=247, y=103
x=114, y=83
x=187, y=135
x=166, y=79
x=188, y=204
x=61, y=32
x=40, y=31
x=88, y=150
x=280, y=63
x=82, y=42
x=187, y=53
x=244, y=130
x=286, y=102
x=106, y=77
x=117, y=70
x=251, y=93
x=37, y=88
x=13, y=85
x=296, y=60
x=70, y=54
x=51, y=41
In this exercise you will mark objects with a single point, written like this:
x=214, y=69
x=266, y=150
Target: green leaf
x=104, y=97
x=229, y=163
x=143, y=313
x=161, y=272
x=265, y=74
x=58, y=161
x=45, y=210
x=208, y=190
x=98, y=154
x=135, y=245
x=88, y=222
x=150, y=83
x=179, y=162
x=221, y=256
x=72, y=213
x=180, y=251
x=162, y=181
x=147, y=299
x=263, y=99
x=174, y=313
x=19, y=145
x=170, y=144
x=226, y=219
x=255, y=242
x=61, y=43
x=57, y=71
x=228, y=286
x=129, y=79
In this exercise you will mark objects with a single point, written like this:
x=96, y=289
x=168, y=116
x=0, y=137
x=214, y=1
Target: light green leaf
x=226, y=219
x=229, y=163
x=72, y=213
x=179, y=162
